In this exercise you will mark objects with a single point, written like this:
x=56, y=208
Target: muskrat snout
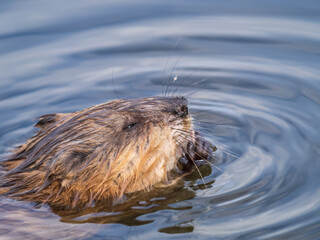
x=181, y=111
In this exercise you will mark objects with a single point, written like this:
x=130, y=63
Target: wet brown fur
x=100, y=153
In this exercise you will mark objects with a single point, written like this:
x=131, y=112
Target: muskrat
x=103, y=152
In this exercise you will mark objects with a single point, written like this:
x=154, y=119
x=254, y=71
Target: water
x=251, y=71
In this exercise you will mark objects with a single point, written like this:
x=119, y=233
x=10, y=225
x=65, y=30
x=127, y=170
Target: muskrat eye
x=131, y=125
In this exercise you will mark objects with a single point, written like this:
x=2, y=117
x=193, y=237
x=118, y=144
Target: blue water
x=251, y=72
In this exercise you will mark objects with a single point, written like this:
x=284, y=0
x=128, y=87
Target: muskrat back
x=102, y=152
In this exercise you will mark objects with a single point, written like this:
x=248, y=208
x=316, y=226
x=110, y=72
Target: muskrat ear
x=49, y=119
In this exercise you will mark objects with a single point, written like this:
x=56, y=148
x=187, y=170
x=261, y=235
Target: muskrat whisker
x=182, y=130
x=189, y=95
x=112, y=79
x=173, y=69
x=231, y=154
x=200, y=111
x=198, y=170
x=197, y=121
x=198, y=124
x=185, y=134
x=165, y=69
x=184, y=79
x=192, y=85
x=186, y=130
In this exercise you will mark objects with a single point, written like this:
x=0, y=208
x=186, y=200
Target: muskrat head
x=102, y=152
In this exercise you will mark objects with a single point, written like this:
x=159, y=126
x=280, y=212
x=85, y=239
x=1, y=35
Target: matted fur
x=100, y=153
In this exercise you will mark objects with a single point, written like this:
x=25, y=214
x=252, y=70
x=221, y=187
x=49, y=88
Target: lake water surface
x=252, y=75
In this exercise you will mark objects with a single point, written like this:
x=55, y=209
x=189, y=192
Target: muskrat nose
x=181, y=111
x=185, y=110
